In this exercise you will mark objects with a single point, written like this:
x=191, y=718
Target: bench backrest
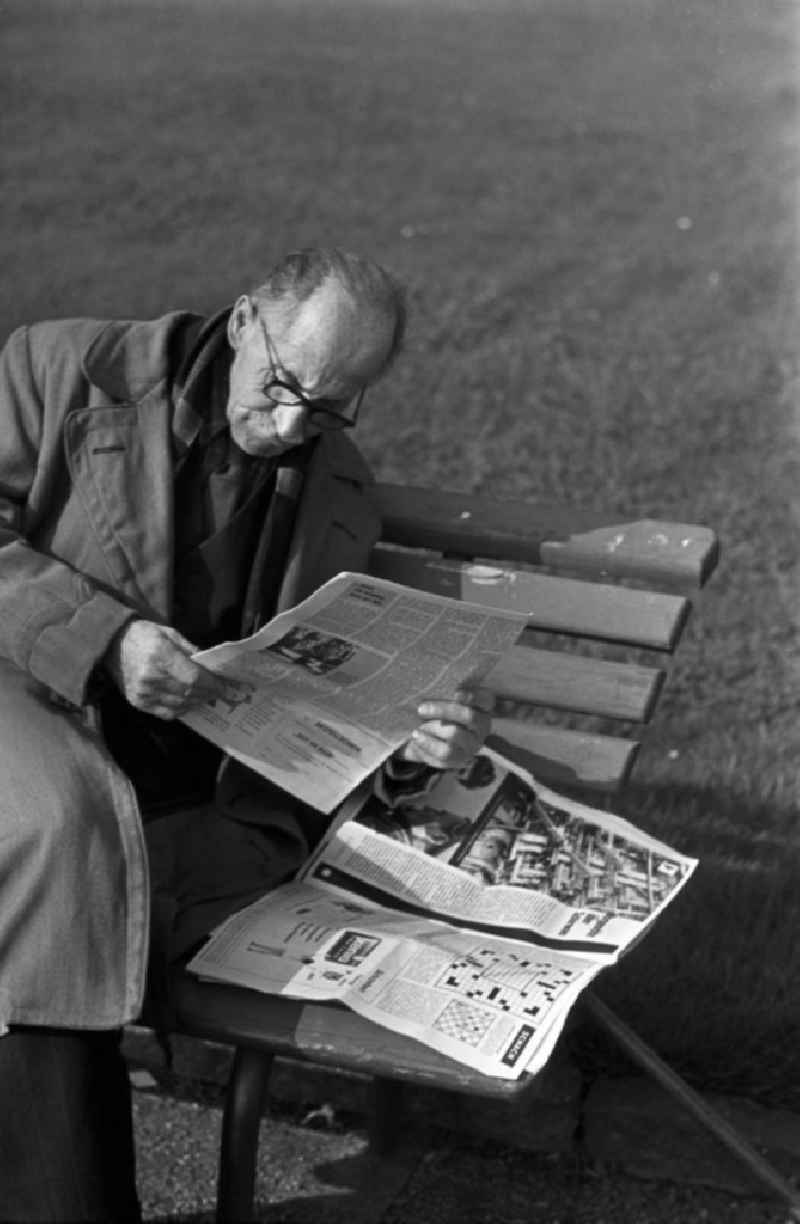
x=591, y=585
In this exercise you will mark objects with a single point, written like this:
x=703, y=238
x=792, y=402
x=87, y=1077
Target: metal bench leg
x=641, y=1053
x=386, y=1115
x=244, y=1104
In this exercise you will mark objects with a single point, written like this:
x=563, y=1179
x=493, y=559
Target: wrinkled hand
x=152, y=667
x=453, y=732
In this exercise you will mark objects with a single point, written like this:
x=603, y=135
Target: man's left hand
x=453, y=731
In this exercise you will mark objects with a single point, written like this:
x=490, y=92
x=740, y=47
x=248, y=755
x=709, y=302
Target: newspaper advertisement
x=324, y=693
x=469, y=917
x=491, y=848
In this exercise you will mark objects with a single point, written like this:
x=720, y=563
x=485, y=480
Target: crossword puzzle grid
x=525, y=987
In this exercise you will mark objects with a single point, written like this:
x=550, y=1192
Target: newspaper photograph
x=491, y=848
x=324, y=693
x=469, y=916
x=492, y=1005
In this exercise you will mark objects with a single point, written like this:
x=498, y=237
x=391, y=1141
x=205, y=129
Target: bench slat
x=584, y=541
x=325, y=1033
x=646, y=619
x=572, y=682
x=560, y=757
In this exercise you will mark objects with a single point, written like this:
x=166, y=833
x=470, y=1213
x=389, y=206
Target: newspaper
x=324, y=693
x=469, y=917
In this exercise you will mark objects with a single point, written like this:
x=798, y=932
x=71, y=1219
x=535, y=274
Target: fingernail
x=424, y=709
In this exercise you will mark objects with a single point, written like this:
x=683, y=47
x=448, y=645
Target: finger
x=428, y=750
x=478, y=728
x=451, y=750
x=451, y=712
x=481, y=698
x=178, y=640
x=410, y=752
x=175, y=672
x=436, y=729
x=165, y=713
x=173, y=704
x=205, y=688
x=454, y=749
x=172, y=674
x=159, y=704
x=178, y=699
x=210, y=685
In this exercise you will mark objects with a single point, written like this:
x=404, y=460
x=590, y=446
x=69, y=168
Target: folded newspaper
x=469, y=917
x=324, y=693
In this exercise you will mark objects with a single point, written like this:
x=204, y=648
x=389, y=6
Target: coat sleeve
x=55, y=624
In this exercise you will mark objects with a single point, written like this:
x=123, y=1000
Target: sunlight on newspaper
x=469, y=916
x=324, y=693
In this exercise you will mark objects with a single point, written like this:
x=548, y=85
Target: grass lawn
x=594, y=203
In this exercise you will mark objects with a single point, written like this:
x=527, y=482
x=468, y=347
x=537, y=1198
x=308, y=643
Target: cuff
x=66, y=653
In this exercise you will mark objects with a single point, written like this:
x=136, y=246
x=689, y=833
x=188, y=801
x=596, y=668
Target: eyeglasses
x=286, y=390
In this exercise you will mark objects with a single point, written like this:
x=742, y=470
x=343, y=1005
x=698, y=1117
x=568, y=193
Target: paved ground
x=314, y=1169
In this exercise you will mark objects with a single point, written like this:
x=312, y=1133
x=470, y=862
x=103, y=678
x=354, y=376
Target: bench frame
x=581, y=580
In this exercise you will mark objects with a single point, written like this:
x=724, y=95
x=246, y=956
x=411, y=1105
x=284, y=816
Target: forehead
x=332, y=336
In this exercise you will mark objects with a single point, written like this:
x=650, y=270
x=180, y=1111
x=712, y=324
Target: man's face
x=330, y=350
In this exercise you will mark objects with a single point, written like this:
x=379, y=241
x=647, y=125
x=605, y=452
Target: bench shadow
x=363, y=1188
x=714, y=984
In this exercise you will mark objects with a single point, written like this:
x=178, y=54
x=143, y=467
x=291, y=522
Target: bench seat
x=325, y=1033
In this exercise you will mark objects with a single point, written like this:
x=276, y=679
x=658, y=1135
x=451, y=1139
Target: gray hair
x=300, y=273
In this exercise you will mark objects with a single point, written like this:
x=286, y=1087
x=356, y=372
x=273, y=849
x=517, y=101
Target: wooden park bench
x=591, y=587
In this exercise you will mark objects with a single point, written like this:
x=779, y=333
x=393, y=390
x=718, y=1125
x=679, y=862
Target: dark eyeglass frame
x=318, y=413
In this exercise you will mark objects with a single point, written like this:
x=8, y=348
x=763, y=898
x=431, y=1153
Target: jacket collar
x=332, y=497
x=127, y=359
x=335, y=452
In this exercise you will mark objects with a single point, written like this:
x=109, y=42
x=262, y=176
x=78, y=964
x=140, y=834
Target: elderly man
x=164, y=485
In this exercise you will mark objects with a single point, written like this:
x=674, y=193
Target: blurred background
x=594, y=204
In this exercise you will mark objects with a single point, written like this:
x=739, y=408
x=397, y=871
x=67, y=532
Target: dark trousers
x=66, y=1136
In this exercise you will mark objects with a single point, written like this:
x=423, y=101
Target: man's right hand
x=151, y=665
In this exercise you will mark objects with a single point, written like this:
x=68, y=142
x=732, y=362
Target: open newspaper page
x=492, y=849
x=491, y=1004
x=325, y=692
x=469, y=917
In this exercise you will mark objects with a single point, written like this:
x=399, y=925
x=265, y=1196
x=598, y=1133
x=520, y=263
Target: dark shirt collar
x=200, y=390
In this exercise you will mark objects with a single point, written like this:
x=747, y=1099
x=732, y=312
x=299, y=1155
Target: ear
x=240, y=318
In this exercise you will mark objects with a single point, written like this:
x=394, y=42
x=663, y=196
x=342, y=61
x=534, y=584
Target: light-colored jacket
x=86, y=536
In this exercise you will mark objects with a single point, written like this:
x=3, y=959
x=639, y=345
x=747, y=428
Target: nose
x=291, y=421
